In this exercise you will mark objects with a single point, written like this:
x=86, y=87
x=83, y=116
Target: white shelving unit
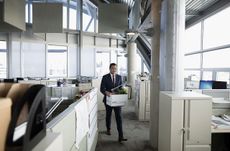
x=184, y=121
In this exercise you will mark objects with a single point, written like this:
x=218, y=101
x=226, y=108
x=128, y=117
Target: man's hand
x=108, y=93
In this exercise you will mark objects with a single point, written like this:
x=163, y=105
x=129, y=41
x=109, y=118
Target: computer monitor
x=219, y=85
x=205, y=84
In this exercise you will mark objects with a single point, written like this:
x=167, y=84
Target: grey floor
x=135, y=131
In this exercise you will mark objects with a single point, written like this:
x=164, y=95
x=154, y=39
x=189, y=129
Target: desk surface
x=220, y=130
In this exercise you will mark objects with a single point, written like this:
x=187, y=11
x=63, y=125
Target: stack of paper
x=218, y=122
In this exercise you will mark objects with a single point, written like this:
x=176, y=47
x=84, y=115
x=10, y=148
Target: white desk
x=51, y=142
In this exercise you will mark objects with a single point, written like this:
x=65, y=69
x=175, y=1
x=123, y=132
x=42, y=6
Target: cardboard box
x=117, y=100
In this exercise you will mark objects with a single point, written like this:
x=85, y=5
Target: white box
x=117, y=100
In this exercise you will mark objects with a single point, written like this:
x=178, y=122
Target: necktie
x=113, y=81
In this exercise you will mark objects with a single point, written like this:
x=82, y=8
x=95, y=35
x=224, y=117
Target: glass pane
x=89, y=16
x=223, y=76
x=3, y=59
x=138, y=63
x=192, y=75
x=193, y=38
x=207, y=75
x=31, y=13
x=57, y=61
x=216, y=29
x=146, y=69
x=72, y=19
x=122, y=65
x=33, y=50
x=102, y=63
x=27, y=14
x=3, y=45
x=217, y=59
x=73, y=14
x=113, y=56
x=65, y=17
x=192, y=61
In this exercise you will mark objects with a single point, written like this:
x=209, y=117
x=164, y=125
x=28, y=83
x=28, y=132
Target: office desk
x=220, y=140
x=218, y=130
x=221, y=135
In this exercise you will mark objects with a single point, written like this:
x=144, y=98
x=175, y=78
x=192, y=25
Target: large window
x=3, y=59
x=102, y=63
x=216, y=29
x=223, y=76
x=207, y=75
x=193, y=38
x=122, y=65
x=192, y=61
x=217, y=59
x=89, y=17
x=57, y=61
x=145, y=68
x=209, y=54
x=113, y=56
x=138, y=63
x=73, y=14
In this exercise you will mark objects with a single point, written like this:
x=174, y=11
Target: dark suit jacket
x=107, y=84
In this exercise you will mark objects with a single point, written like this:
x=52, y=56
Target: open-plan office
x=162, y=66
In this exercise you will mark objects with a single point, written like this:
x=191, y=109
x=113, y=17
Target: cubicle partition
x=77, y=124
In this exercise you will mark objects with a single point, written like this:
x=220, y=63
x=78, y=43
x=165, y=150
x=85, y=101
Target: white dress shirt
x=114, y=78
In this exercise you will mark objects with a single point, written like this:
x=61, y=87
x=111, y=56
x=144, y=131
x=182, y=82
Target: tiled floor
x=135, y=131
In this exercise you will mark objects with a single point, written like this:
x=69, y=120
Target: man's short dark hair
x=112, y=64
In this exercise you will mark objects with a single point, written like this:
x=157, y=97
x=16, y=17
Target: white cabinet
x=184, y=121
x=142, y=100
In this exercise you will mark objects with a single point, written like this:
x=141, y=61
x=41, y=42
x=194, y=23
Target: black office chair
x=8, y=80
x=19, y=79
x=34, y=98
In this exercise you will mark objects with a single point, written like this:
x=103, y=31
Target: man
x=110, y=81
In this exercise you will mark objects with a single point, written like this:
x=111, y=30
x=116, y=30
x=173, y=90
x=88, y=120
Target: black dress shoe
x=122, y=140
x=108, y=132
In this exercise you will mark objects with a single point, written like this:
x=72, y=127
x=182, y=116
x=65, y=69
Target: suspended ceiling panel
x=194, y=7
x=47, y=18
x=12, y=16
x=113, y=18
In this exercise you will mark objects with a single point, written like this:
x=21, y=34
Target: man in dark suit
x=110, y=81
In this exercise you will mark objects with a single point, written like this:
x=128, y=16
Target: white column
x=167, y=55
x=132, y=65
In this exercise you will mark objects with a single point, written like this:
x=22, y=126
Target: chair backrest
x=33, y=99
x=4, y=89
x=15, y=93
x=8, y=80
x=5, y=115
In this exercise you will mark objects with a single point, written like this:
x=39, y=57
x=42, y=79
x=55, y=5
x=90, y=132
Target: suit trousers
x=117, y=111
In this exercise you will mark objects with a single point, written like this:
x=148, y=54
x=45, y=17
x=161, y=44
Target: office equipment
x=219, y=85
x=184, y=123
x=205, y=84
x=212, y=84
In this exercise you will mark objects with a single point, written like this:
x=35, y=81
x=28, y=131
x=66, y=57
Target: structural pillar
x=167, y=55
x=155, y=72
x=132, y=65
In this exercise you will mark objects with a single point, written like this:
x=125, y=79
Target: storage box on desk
x=117, y=100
